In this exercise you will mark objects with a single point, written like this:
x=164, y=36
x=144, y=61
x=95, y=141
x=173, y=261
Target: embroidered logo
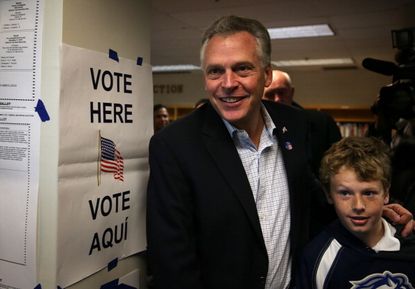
x=383, y=280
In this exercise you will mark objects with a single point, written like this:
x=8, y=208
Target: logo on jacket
x=383, y=281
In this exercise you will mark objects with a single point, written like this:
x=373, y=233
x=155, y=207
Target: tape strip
x=139, y=61
x=125, y=286
x=112, y=54
x=41, y=110
x=112, y=264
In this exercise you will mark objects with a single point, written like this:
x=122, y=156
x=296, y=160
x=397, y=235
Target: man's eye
x=214, y=71
x=244, y=69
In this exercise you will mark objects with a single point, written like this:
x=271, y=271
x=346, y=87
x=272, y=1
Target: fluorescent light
x=175, y=68
x=300, y=31
x=311, y=62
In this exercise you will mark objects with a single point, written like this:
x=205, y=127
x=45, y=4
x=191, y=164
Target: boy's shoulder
x=336, y=257
x=333, y=233
x=406, y=252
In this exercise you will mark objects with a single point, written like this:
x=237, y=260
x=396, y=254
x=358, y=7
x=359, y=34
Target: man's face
x=359, y=205
x=161, y=118
x=279, y=90
x=234, y=77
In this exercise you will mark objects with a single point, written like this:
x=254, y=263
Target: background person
x=323, y=132
x=161, y=117
x=323, y=129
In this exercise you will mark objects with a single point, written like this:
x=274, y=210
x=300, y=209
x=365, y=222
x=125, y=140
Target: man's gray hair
x=228, y=25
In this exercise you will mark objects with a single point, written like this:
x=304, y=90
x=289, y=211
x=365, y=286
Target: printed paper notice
x=20, y=47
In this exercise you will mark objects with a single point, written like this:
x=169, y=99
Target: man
x=322, y=127
x=217, y=219
x=229, y=186
x=161, y=117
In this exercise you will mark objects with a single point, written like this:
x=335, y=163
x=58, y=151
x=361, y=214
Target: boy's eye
x=369, y=193
x=343, y=193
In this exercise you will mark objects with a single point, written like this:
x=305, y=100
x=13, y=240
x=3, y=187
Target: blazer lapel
x=223, y=151
x=286, y=146
x=283, y=131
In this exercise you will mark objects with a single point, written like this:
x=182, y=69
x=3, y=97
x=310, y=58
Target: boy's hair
x=368, y=157
x=228, y=25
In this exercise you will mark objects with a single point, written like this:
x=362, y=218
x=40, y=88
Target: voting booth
x=76, y=102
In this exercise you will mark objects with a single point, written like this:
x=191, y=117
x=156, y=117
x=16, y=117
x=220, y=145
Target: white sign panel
x=105, y=125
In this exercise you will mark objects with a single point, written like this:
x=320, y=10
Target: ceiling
x=362, y=27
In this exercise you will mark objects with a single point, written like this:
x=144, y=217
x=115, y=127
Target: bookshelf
x=352, y=121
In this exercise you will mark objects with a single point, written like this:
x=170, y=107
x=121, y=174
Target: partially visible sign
x=168, y=88
x=105, y=126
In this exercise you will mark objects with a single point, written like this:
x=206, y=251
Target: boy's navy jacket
x=336, y=259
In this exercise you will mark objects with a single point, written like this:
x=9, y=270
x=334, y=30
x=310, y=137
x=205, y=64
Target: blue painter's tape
x=112, y=264
x=112, y=54
x=139, y=61
x=125, y=286
x=110, y=285
x=38, y=286
x=41, y=110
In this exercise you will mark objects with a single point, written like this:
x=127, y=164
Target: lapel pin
x=284, y=129
x=288, y=145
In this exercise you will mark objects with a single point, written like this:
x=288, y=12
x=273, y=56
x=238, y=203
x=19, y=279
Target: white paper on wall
x=105, y=125
x=20, y=65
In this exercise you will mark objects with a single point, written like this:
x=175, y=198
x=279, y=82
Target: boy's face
x=359, y=205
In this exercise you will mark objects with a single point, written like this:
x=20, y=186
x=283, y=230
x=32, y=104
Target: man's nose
x=229, y=80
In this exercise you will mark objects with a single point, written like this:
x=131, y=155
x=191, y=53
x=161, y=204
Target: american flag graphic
x=111, y=159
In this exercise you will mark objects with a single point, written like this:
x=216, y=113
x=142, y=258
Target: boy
x=359, y=250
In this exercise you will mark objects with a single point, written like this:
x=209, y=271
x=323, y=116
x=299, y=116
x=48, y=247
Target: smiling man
x=227, y=193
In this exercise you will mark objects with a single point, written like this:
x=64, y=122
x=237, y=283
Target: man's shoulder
x=180, y=127
x=192, y=125
x=285, y=112
x=319, y=116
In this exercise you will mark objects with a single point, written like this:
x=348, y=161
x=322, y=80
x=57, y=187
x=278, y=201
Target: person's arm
x=399, y=215
x=170, y=222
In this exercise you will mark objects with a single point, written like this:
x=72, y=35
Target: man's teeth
x=230, y=99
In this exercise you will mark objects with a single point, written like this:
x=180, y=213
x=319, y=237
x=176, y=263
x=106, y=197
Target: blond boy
x=360, y=249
